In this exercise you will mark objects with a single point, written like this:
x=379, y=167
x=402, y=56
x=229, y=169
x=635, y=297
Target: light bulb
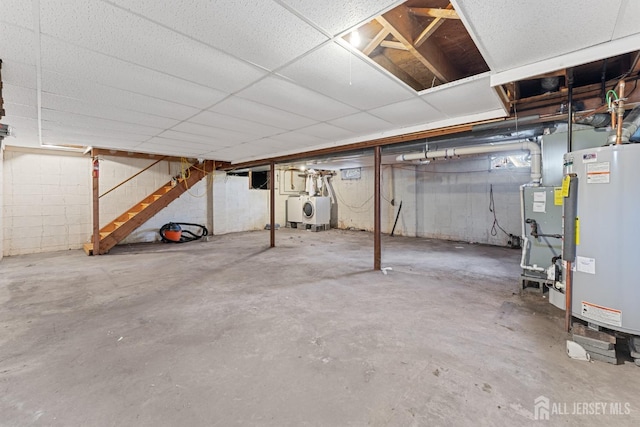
x=355, y=38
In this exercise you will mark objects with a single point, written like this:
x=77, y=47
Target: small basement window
x=259, y=180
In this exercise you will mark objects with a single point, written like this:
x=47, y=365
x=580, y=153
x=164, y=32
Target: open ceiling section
x=548, y=93
x=421, y=42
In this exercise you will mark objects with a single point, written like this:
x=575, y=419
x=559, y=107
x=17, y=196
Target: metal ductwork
x=629, y=127
x=532, y=147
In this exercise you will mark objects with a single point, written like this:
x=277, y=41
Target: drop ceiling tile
x=83, y=133
x=510, y=34
x=167, y=151
x=249, y=110
x=288, y=96
x=17, y=44
x=96, y=142
x=213, y=132
x=19, y=95
x=469, y=96
x=211, y=118
x=21, y=110
x=261, y=32
x=16, y=12
x=406, y=113
x=297, y=138
x=326, y=131
x=94, y=93
x=362, y=123
x=177, y=144
x=276, y=145
x=230, y=154
x=100, y=125
x=71, y=105
x=337, y=16
x=190, y=137
x=627, y=23
x=101, y=27
x=25, y=131
x=342, y=75
x=18, y=74
x=65, y=58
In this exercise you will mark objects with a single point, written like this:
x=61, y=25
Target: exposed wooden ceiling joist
x=430, y=29
x=394, y=69
x=434, y=13
x=393, y=45
x=375, y=42
x=399, y=23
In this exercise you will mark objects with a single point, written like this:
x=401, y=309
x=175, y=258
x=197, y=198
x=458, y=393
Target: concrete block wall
x=445, y=200
x=355, y=200
x=115, y=170
x=46, y=201
x=238, y=208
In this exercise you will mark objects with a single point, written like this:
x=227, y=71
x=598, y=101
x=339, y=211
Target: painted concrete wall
x=236, y=207
x=46, y=202
x=445, y=200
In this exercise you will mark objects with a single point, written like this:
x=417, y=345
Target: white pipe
x=532, y=147
x=525, y=245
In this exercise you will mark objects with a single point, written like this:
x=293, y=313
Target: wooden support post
x=95, y=174
x=377, y=251
x=272, y=204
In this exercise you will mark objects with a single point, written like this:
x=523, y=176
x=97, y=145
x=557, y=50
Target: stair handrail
x=133, y=176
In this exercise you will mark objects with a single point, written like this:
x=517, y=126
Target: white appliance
x=294, y=209
x=316, y=210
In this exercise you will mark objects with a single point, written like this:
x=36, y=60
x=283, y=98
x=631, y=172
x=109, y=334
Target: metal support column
x=272, y=204
x=377, y=250
x=95, y=179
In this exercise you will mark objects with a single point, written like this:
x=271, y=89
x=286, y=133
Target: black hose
x=183, y=239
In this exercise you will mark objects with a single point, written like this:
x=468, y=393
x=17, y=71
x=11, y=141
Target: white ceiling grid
x=244, y=79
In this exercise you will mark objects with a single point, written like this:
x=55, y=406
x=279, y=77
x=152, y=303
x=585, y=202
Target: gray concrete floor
x=228, y=332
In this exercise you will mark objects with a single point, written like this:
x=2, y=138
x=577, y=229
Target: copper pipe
x=620, y=109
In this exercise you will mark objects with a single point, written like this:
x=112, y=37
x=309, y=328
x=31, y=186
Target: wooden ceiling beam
x=434, y=13
x=136, y=155
x=394, y=69
x=399, y=23
x=393, y=45
x=431, y=28
x=370, y=47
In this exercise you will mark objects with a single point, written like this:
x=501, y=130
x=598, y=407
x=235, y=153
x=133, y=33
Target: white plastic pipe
x=525, y=247
x=532, y=147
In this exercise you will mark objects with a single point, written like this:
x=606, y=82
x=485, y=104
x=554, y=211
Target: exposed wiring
x=492, y=208
x=185, y=173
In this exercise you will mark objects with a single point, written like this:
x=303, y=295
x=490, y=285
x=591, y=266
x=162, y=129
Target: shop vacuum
x=173, y=233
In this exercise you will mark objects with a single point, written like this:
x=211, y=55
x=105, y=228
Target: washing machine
x=316, y=210
x=294, y=209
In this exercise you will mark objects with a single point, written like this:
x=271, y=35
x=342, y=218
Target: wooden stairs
x=126, y=223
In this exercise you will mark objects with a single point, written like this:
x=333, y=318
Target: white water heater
x=606, y=282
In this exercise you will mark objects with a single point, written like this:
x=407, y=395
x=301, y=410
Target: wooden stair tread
x=195, y=175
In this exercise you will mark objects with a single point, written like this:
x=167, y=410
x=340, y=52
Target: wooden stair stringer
x=118, y=229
